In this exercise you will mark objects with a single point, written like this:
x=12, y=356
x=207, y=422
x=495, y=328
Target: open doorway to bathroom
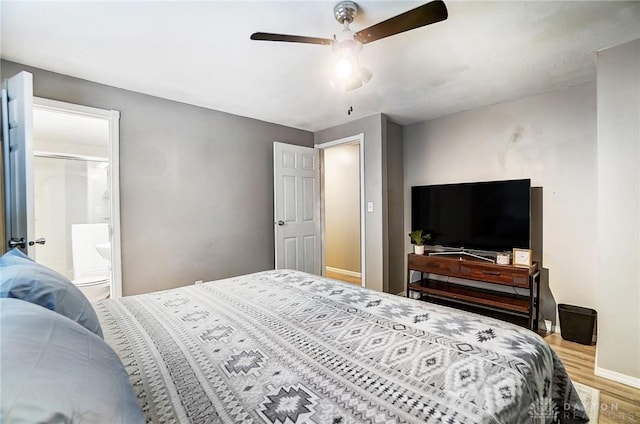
x=75, y=204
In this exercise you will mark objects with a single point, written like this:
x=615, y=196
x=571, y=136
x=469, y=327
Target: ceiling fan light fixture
x=343, y=69
x=345, y=52
x=345, y=61
x=347, y=73
x=365, y=74
x=346, y=85
x=352, y=84
x=360, y=76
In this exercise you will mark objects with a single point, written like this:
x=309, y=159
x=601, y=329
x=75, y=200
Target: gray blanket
x=289, y=347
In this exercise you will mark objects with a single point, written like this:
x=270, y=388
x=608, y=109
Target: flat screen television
x=491, y=216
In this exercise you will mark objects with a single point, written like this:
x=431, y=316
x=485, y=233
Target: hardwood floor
x=343, y=277
x=619, y=403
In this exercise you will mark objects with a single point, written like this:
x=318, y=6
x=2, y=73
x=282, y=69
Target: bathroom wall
x=66, y=133
x=66, y=192
x=98, y=197
x=50, y=190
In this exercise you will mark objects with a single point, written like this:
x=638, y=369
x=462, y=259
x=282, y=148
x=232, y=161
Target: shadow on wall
x=548, y=305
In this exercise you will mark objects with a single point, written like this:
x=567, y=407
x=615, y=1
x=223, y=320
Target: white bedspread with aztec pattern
x=289, y=347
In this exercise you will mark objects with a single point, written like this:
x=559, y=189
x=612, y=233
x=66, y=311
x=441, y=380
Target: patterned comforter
x=289, y=347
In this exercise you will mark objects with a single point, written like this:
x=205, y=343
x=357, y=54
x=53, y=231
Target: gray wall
x=550, y=138
x=618, y=229
x=384, y=251
x=371, y=126
x=581, y=148
x=196, y=185
x=395, y=201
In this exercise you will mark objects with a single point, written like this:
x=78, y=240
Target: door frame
x=113, y=116
x=352, y=139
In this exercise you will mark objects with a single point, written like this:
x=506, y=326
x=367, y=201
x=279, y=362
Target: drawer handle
x=491, y=272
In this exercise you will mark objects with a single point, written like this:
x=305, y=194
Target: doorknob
x=280, y=222
x=41, y=240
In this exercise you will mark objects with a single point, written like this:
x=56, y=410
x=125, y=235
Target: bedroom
x=202, y=241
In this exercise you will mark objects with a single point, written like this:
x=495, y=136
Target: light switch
x=369, y=206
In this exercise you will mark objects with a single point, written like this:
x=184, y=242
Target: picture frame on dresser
x=522, y=257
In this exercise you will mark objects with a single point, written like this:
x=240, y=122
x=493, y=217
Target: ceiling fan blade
x=426, y=14
x=265, y=36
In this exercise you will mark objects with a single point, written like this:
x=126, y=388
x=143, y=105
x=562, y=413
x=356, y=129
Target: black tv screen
x=491, y=215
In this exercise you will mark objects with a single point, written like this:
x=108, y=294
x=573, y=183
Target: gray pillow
x=54, y=370
x=22, y=278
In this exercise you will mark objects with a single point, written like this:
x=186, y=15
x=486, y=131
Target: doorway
x=343, y=209
x=75, y=186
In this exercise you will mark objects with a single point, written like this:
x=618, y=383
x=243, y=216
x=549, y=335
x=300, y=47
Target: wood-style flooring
x=619, y=403
x=343, y=277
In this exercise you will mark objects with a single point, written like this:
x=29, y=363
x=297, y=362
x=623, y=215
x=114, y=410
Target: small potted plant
x=417, y=239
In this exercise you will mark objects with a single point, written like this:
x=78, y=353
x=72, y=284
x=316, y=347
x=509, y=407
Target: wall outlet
x=369, y=206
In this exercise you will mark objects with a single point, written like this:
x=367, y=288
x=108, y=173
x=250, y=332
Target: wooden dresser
x=454, y=292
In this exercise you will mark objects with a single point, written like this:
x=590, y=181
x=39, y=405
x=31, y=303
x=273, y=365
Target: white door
x=296, y=171
x=17, y=143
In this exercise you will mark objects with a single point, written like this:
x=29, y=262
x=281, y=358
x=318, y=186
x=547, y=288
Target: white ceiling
x=200, y=53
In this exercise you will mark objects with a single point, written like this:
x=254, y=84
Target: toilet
x=91, y=266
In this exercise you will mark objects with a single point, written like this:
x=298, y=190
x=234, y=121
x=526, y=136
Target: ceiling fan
x=349, y=74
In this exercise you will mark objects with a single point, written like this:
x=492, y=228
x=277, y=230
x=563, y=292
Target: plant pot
x=418, y=249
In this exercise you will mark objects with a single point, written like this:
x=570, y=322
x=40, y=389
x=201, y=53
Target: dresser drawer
x=434, y=264
x=498, y=274
x=470, y=269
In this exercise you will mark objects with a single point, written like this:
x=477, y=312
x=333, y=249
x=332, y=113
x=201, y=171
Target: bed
x=271, y=347
x=289, y=347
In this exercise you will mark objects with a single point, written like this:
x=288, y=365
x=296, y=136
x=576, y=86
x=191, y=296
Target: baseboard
x=617, y=377
x=550, y=327
x=344, y=272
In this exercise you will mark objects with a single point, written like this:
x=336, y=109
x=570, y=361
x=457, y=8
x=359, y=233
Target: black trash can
x=576, y=323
